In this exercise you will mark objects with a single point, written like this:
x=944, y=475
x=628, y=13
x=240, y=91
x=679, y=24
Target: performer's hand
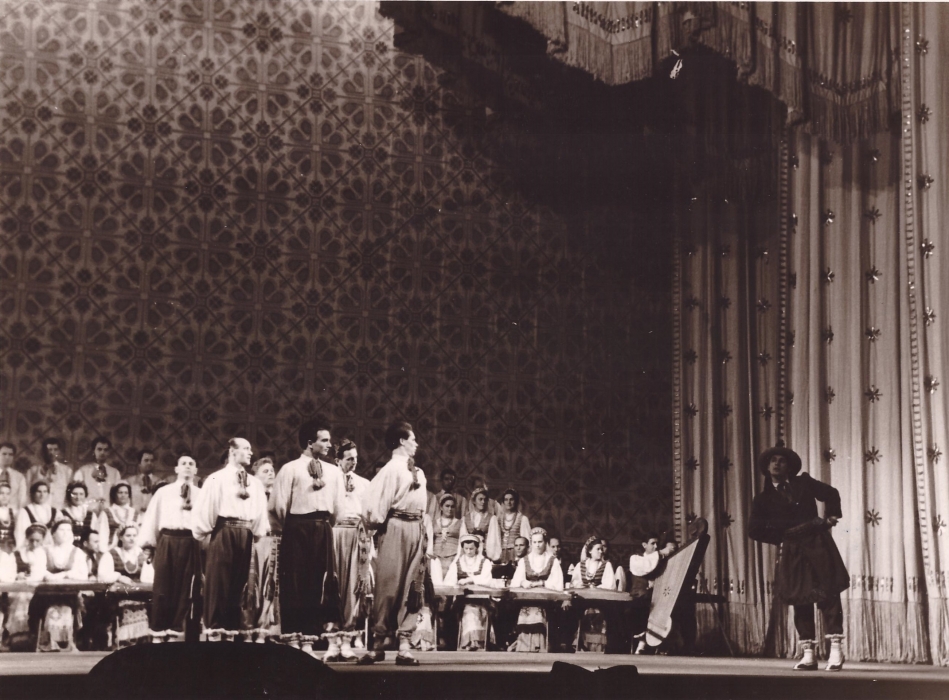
x=831, y=520
x=566, y=605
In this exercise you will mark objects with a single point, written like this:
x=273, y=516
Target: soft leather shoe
x=406, y=660
x=371, y=657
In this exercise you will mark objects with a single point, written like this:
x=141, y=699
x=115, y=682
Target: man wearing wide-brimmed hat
x=809, y=569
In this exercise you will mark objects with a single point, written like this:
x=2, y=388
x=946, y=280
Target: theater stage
x=482, y=675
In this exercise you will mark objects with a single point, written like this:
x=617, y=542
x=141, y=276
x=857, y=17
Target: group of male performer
x=326, y=514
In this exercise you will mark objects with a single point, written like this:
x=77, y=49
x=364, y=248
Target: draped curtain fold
x=858, y=235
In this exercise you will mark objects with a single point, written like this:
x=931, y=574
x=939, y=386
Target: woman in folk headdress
x=471, y=567
x=513, y=524
x=809, y=568
x=117, y=516
x=593, y=571
x=538, y=569
x=481, y=521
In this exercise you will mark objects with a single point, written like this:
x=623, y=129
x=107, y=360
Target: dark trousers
x=228, y=565
x=309, y=588
x=833, y=616
x=176, y=580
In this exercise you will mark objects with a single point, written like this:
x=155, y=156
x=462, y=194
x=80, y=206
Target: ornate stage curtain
x=835, y=340
x=832, y=64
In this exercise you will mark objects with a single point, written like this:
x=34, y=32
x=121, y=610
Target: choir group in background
x=308, y=553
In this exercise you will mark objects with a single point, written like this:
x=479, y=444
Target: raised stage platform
x=503, y=676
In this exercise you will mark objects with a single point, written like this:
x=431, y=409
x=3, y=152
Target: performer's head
x=554, y=546
x=76, y=494
x=62, y=531
x=400, y=438
x=7, y=453
x=470, y=544
x=346, y=456
x=521, y=544
x=511, y=500
x=5, y=492
x=651, y=543
x=779, y=462
x=315, y=439
x=52, y=450
x=186, y=468
x=264, y=470
x=446, y=506
x=120, y=494
x=479, y=499
x=35, y=536
x=538, y=540
x=90, y=541
x=239, y=452
x=448, y=479
x=101, y=447
x=146, y=461
x=127, y=536
x=596, y=548
x=39, y=492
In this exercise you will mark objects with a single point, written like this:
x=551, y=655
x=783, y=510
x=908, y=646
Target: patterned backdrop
x=223, y=218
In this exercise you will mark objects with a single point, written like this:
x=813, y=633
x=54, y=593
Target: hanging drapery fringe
x=781, y=47
x=884, y=631
x=739, y=623
x=939, y=630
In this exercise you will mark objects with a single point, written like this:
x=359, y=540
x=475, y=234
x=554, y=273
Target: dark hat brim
x=793, y=458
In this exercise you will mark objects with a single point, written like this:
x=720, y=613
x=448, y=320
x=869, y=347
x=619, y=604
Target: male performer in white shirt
x=144, y=483
x=395, y=503
x=53, y=471
x=353, y=547
x=98, y=476
x=166, y=529
x=307, y=495
x=19, y=497
x=230, y=512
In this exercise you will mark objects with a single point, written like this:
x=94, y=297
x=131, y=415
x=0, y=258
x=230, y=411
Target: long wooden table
x=53, y=587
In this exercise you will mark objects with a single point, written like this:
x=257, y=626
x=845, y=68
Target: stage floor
x=79, y=663
x=470, y=676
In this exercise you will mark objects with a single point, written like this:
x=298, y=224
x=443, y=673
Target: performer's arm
x=520, y=575
x=829, y=495
x=261, y=521
x=526, y=528
x=282, y=488
x=483, y=577
x=555, y=581
x=79, y=571
x=148, y=535
x=379, y=497
x=576, y=578
x=492, y=545
x=106, y=572
x=205, y=508
x=608, y=581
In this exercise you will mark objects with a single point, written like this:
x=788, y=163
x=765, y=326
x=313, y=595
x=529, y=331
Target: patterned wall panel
x=223, y=218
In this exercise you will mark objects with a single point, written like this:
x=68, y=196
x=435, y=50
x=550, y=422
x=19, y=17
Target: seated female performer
x=64, y=562
x=539, y=569
x=593, y=572
x=469, y=568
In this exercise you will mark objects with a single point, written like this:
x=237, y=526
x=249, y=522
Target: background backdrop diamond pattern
x=225, y=218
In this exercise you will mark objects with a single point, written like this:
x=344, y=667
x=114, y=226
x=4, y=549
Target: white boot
x=306, y=644
x=835, y=661
x=332, y=650
x=807, y=662
x=346, y=649
x=357, y=642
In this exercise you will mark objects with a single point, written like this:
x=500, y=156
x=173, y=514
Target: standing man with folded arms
x=395, y=505
x=231, y=512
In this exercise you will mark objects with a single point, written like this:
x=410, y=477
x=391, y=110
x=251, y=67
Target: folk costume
x=167, y=529
x=531, y=625
x=19, y=489
x=57, y=475
x=473, y=631
x=99, y=480
x=352, y=546
x=34, y=514
x=512, y=526
x=484, y=525
x=591, y=634
x=230, y=512
x=809, y=567
x=395, y=506
x=307, y=495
